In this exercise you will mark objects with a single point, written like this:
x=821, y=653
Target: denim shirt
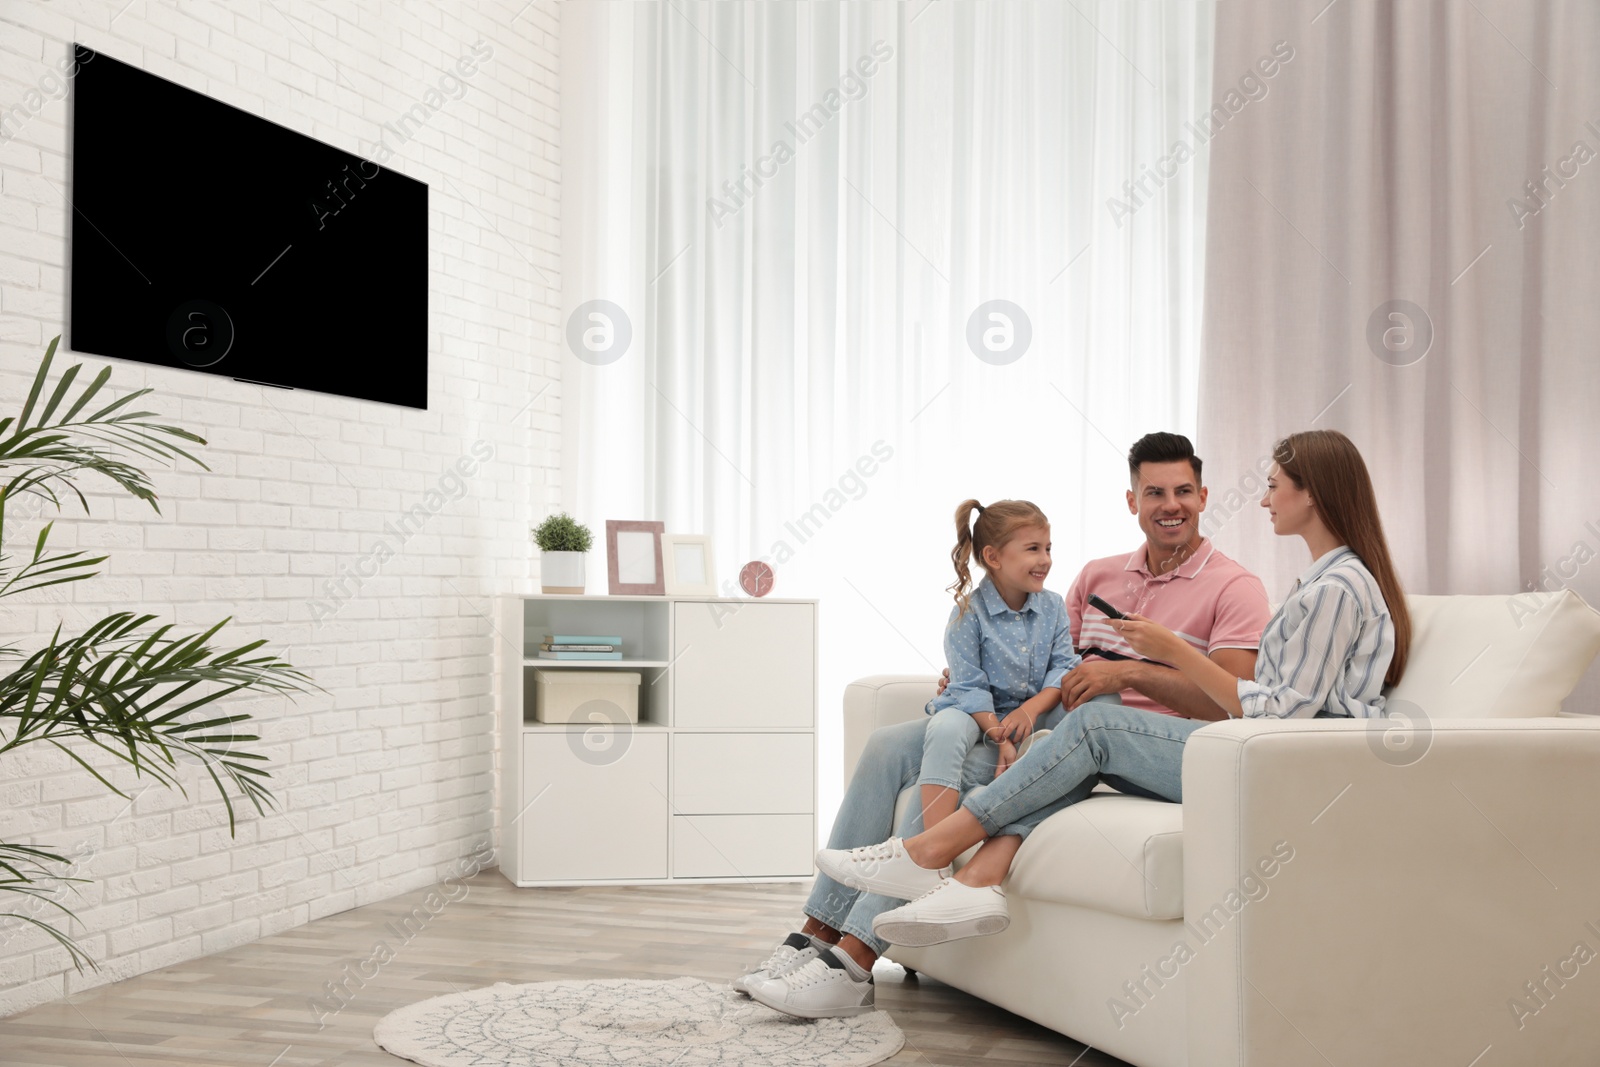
x=998, y=657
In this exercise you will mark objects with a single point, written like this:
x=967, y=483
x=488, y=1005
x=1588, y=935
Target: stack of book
x=580, y=646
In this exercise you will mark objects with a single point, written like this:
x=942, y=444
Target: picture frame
x=633, y=557
x=689, y=565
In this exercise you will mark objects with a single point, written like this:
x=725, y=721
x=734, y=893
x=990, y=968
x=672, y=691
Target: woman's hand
x=1017, y=726
x=1006, y=756
x=1150, y=639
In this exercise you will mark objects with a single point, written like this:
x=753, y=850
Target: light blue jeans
x=890, y=763
x=1141, y=750
x=950, y=735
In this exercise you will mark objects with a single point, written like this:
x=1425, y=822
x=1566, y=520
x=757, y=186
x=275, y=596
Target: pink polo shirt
x=1209, y=601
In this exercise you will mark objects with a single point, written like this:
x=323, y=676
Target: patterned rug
x=603, y=1023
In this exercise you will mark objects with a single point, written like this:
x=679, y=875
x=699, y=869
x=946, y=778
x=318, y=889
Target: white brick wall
x=386, y=779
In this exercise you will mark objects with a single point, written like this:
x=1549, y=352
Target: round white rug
x=684, y=1021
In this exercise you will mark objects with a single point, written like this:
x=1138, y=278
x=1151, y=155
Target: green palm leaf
x=52, y=454
x=110, y=686
x=141, y=694
x=26, y=872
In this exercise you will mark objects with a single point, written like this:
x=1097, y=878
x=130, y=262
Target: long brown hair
x=1326, y=464
x=997, y=524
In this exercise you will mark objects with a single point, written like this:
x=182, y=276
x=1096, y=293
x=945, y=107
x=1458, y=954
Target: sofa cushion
x=1114, y=853
x=1481, y=657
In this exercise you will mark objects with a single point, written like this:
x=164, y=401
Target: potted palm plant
x=148, y=696
x=563, y=542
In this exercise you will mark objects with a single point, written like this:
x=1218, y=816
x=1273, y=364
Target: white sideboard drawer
x=585, y=819
x=742, y=774
x=744, y=665
x=742, y=846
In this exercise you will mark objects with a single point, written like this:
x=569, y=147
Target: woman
x=1342, y=634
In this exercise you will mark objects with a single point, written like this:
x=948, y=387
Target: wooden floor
x=253, y=1005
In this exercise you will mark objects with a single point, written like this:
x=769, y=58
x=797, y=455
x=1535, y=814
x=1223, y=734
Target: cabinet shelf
x=593, y=664
x=528, y=726
x=728, y=692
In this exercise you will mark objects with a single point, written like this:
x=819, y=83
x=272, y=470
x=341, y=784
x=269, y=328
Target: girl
x=1342, y=634
x=1007, y=643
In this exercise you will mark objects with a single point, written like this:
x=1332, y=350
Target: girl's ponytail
x=995, y=525
x=961, y=555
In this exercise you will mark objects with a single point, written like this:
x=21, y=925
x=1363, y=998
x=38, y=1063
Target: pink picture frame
x=632, y=567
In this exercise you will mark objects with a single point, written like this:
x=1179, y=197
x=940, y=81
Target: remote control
x=1105, y=606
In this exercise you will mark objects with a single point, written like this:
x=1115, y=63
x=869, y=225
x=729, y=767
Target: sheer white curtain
x=797, y=208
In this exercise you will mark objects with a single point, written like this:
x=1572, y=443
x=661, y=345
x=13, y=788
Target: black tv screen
x=208, y=238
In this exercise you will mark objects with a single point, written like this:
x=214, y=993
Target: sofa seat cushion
x=1114, y=853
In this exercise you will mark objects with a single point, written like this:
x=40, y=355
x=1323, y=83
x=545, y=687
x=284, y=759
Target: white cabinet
x=588, y=816
x=742, y=774
x=742, y=666
x=735, y=846
x=717, y=781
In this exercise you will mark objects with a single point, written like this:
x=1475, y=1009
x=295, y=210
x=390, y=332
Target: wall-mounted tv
x=209, y=238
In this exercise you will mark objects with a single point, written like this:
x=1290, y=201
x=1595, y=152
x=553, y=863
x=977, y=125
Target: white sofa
x=1407, y=891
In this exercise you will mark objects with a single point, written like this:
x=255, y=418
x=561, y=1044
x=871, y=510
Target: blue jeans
x=949, y=736
x=1142, y=750
x=890, y=763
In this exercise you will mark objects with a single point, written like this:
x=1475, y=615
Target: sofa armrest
x=881, y=700
x=1352, y=901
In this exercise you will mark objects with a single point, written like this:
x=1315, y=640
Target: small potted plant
x=562, y=542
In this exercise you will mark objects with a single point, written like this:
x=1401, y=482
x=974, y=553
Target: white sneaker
x=948, y=913
x=884, y=868
x=822, y=988
x=795, y=951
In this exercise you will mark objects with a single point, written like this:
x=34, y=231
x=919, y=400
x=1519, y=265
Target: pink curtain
x=1403, y=234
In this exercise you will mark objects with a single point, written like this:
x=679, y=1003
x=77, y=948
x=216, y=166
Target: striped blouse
x=1327, y=648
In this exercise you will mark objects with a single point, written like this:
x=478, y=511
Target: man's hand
x=1005, y=757
x=944, y=682
x=1090, y=679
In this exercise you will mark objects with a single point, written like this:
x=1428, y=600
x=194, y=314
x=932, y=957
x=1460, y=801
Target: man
x=1176, y=578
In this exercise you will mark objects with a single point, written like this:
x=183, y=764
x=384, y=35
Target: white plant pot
x=562, y=572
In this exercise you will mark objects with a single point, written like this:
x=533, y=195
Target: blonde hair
x=997, y=524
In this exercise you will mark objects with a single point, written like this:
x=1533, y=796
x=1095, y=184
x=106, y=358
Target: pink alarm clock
x=755, y=578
